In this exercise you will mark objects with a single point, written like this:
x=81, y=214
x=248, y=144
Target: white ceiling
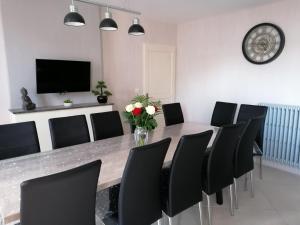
x=177, y=11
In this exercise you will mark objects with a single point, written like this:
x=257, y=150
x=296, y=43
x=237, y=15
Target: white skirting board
x=279, y=166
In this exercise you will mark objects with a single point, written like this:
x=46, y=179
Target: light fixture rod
x=110, y=6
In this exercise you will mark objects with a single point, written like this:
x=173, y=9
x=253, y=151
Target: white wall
x=211, y=65
x=123, y=55
x=4, y=90
x=35, y=29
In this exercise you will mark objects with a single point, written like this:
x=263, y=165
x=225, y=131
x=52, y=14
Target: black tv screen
x=58, y=76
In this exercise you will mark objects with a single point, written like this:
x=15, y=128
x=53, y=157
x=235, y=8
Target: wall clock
x=263, y=43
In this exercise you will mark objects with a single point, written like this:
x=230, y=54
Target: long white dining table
x=113, y=152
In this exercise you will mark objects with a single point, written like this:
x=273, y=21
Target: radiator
x=282, y=135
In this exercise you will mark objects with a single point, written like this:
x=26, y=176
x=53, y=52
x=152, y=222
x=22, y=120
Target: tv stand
x=41, y=115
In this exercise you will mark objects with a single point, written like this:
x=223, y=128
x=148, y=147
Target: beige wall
x=211, y=65
x=35, y=29
x=4, y=90
x=123, y=55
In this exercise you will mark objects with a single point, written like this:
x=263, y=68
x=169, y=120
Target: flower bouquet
x=141, y=114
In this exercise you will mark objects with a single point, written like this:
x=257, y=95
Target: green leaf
x=107, y=93
x=95, y=92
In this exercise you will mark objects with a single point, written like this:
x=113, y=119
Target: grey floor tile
x=276, y=202
x=291, y=217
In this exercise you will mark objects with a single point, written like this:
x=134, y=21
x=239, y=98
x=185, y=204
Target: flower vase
x=140, y=136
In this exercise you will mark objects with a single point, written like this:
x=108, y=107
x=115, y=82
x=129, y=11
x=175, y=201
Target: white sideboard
x=41, y=115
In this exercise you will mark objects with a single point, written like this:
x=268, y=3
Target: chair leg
x=231, y=200
x=236, y=194
x=209, y=210
x=170, y=220
x=246, y=182
x=260, y=168
x=159, y=222
x=252, y=184
x=200, y=213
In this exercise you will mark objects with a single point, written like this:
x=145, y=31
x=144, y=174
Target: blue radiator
x=282, y=134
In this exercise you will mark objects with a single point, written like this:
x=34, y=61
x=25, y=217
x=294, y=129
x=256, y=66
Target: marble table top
x=113, y=152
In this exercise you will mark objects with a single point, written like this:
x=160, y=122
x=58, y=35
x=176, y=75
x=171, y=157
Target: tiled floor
x=276, y=202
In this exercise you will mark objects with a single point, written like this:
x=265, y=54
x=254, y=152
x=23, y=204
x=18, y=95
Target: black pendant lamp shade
x=136, y=29
x=108, y=24
x=73, y=18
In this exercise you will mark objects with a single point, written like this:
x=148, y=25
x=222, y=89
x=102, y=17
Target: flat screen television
x=59, y=76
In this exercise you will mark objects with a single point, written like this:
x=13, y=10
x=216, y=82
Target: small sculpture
x=27, y=103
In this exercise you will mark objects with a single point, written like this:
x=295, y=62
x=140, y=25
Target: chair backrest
x=64, y=198
x=243, y=159
x=223, y=114
x=18, y=139
x=139, y=197
x=106, y=125
x=220, y=161
x=247, y=112
x=184, y=189
x=68, y=131
x=172, y=113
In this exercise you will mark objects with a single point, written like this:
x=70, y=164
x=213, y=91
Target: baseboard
x=279, y=166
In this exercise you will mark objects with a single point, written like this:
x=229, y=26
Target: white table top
x=113, y=152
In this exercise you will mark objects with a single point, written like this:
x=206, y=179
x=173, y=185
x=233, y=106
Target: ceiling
x=178, y=11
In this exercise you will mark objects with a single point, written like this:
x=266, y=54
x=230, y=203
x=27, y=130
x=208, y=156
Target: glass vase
x=140, y=136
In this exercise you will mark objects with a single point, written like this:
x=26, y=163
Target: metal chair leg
x=236, y=194
x=200, y=212
x=159, y=222
x=252, y=184
x=231, y=200
x=170, y=220
x=246, y=183
x=209, y=210
x=260, y=168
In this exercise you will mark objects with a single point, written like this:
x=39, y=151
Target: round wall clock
x=263, y=43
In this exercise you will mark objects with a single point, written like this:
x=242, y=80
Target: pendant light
x=73, y=18
x=108, y=24
x=136, y=29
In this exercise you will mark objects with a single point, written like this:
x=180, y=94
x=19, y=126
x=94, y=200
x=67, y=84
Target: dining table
x=113, y=152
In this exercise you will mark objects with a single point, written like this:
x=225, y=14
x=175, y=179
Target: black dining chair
x=243, y=156
x=106, y=125
x=139, y=198
x=66, y=198
x=68, y=131
x=18, y=139
x=180, y=188
x=218, y=164
x=247, y=112
x=172, y=113
x=223, y=114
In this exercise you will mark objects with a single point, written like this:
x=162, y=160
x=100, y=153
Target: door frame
x=172, y=50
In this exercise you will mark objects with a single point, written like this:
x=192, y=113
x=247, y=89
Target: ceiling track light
x=73, y=18
x=136, y=29
x=108, y=24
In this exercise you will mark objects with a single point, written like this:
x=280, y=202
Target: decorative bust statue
x=27, y=103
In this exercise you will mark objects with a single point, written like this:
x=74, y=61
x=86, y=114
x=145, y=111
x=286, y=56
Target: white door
x=159, y=73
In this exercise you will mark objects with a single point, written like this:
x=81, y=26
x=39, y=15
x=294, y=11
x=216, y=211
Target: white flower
x=129, y=108
x=150, y=110
x=138, y=105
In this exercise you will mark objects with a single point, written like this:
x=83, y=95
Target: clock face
x=263, y=43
